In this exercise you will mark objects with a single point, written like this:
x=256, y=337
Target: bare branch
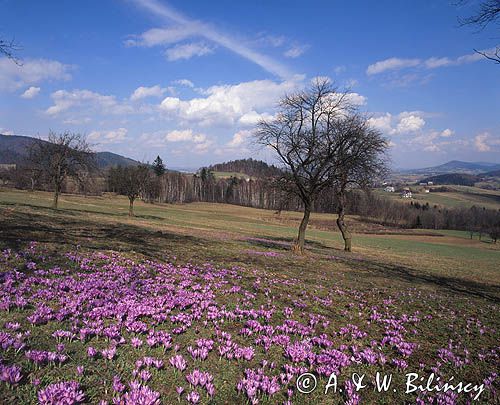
x=495, y=56
x=9, y=49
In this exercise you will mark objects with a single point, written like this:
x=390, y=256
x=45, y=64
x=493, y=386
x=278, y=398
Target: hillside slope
x=250, y=167
x=14, y=149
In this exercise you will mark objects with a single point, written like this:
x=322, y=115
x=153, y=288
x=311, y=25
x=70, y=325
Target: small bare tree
x=299, y=135
x=62, y=156
x=131, y=182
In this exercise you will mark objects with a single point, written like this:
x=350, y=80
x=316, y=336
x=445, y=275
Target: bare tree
x=358, y=160
x=131, y=181
x=62, y=156
x=299, y=135
x=488, y=13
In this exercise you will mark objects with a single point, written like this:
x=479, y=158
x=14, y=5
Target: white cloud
x=410, y=123
x=194, y=142
x=403, y=123
x=382, y=123
x=33, y=71
x=187, y=51
x=430, y=63
x=447, y=133
x=192, y=28
x=295, y=51
x=144, y=92
x=433, y=63
x=356, y=99
x=66, y=100
x=108, y=137
x=162, y=36
x=391, y=64
x=253, y=118
x=185, y=135
x=239, y=139
x=245, y=103
x=30, y=93
x=227, y=104
x=432, y=148
x=480, y=142
x=184, y=82
x=485, y=142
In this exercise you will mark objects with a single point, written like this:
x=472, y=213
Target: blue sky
x=189, y=80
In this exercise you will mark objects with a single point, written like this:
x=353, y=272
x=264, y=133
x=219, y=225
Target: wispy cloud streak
x=202, y=29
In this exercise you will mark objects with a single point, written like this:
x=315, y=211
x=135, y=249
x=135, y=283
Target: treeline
x=263, y=193
x=459, y=179
x=153, y=186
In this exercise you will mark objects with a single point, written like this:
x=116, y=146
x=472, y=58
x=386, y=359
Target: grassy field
x=406, y=301
x=461, y=196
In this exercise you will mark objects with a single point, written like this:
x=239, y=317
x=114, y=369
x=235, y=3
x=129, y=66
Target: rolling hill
x=14, y=149
x=459, y=179
x=457, y=166
x=249, y=167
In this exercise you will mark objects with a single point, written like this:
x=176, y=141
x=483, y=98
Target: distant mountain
x=108, y=159
x=457, y=166
x=14, y=149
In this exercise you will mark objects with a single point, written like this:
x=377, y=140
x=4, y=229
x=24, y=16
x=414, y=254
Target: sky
x=189, y=80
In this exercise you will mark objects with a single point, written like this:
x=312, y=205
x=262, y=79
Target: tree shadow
x=19, y=228
x=79, y=211
x=281, y=243
x=416, y=277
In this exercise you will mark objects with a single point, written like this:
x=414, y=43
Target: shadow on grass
x=417, y=278
x=79, y=211
x=282, y=243
x=19, y=228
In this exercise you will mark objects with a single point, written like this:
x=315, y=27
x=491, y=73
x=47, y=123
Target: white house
x=389, y=189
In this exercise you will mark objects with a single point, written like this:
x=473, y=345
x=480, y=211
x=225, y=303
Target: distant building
x=389, y=189
x=430, y=183
x=406, y=193
x=426, y=190
x=422, y=184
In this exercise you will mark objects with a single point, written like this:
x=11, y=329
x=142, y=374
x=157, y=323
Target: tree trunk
x=131, y=207
x=55, y=201
x=298, y=246
x=346, y=234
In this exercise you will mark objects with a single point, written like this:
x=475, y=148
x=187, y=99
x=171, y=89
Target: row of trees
x=154, y=183
x=328, y=154
x=264, y=193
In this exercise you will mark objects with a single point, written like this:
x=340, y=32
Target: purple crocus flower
x=67, y=392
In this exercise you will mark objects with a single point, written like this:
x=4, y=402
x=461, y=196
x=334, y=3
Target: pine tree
x=158, y=166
